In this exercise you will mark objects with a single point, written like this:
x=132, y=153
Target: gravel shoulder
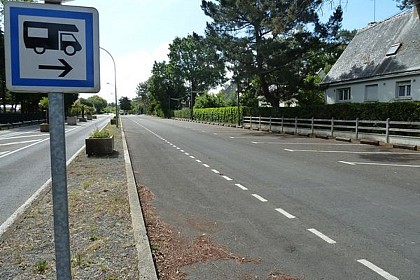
x=101, y=235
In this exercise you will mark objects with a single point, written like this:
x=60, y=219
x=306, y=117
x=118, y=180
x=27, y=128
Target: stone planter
x=99, y=146
x=82, y=120
x=89, y=117
x=95, y=117
x=44, y=127
x=72, y=120
x=114, y=121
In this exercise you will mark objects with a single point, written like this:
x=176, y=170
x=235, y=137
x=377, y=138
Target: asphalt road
x=314, y=208
x=25, y=161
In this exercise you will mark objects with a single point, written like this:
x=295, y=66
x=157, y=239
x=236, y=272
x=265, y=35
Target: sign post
x=53, y=49
x=59, y=185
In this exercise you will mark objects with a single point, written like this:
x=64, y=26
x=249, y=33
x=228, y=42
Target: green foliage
x=196, y=62
x=125, y=103
x=397, y=111
x=220, y=115
x=183, y=114
x=43, y=103
x=207, y=100
x=100, y=133
x=98, y=103
x=41, y=266
x=275, y=66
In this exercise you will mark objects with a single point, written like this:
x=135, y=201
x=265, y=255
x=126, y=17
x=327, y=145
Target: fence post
x=332, y=127
x=312, y=126
x=357, y=128
x=282, y=124
x=296, y=125
x=270, y=124
x=387, y=129
x=250, y=122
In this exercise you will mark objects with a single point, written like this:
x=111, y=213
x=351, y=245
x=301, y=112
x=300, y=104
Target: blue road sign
x=51, y=48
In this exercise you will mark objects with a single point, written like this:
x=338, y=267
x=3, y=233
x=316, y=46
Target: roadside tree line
x=272, y=51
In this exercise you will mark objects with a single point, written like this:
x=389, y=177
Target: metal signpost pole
x=59, y=185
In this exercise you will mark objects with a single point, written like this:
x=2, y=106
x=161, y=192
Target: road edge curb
x=146, y=265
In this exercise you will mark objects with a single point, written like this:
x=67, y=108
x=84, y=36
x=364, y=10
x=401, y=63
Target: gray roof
x=365, y=56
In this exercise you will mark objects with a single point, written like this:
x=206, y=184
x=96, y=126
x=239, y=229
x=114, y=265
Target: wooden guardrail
x=356, y=129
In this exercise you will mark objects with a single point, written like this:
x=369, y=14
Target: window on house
x=393, y=49
x=403, y=89
x=343, y=94
x=371, y=93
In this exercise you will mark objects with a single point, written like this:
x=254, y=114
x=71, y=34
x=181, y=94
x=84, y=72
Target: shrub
x=100, y=133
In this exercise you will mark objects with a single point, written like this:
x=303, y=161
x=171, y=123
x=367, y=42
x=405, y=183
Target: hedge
x=396, y=111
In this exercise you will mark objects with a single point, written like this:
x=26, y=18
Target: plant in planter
x=72, y=115
x=100, y=142
x=89, y=113
x=43, y=105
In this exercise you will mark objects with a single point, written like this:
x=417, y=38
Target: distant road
x=25, y=160
x=318, y=209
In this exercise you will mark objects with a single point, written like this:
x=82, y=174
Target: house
x=381, y=63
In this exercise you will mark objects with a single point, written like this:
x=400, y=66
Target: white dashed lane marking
x=241, y=187
x=285, y=213
x=260, y=198
x=377, y=269
x=322, y=236
x=215, y=171
x=227, y=178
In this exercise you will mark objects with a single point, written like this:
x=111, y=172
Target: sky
x=138, y=32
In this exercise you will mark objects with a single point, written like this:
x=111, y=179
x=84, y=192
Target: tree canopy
x=270, y=44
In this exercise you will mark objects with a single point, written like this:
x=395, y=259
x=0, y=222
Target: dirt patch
x=172, y=251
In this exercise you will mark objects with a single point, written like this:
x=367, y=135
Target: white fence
x=394, y=132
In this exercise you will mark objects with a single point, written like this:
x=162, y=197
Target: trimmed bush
x=396, y=111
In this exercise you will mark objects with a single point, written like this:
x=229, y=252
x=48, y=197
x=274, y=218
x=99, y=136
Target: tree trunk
x=260, y=64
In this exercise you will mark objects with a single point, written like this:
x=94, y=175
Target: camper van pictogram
x=42, y=36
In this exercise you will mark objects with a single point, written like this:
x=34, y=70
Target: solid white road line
x=215, y=171
x=260, y=198
x=285, y=213
x=23, y=136
x=307, y=144
x=352, y=152
x=377, y=269
x=241, y=187
x=322, y=236
x=5, y=152
x=227, y=178
x=23, y=148
x=20, y=142
x=379, y=164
